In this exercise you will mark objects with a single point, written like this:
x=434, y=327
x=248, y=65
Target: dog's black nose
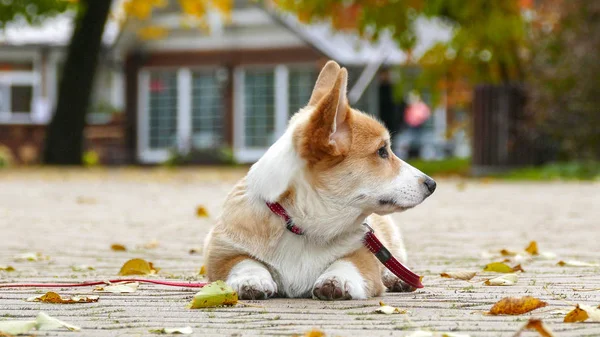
x=430, y=183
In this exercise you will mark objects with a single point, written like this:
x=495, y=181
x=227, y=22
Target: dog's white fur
x=331, y=218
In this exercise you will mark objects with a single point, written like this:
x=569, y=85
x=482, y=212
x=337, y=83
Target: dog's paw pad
x=331, y=288
x=396, y=285
x=253, y=288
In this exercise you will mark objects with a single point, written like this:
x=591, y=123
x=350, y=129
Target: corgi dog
x=332, y=171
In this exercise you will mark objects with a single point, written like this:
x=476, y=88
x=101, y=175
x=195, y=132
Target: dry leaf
x=6, y=268
x=516, y=305
x=52, y=297
x=45, y=322
x=118, y=247
x=151, y=244
x=505, y=252
x=500, y=267
x=31, y=256
x=532, y=248
x=202, y=270
x=460, y=275
x=548, y=255
x=201, y=212
x=138, y=267
x=118, y=288
x=583, y=313
x=176, y=331
x=536, y=325
x=575, y=263
x=82, y=267
x=195, y=251
x=504, y=280
x=314, y=333
x=388, y=310
x=41, y=322
x=214, y=294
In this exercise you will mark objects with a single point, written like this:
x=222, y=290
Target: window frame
x=22, y=78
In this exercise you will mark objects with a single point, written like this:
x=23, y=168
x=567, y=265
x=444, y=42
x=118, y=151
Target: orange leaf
x=52, y=297
x=118, y=247
x=532, y=248
x=138, y=267
x=516, y=305
x=576, y=315
x=537, y=325
x=506, y=252
x=202, y=270
x=201, y=212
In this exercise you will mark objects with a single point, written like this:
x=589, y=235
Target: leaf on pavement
x=201, y=212
x=535, y=324
x=313, y=333
x=6, y=268
x=117, y=247
x=214, y=294
x=504, y=280
x=31, y=256
x=202, y=270
x=82, y=267
x=52, y=297
x=45, y=322
x=152, y=244
x=532, y=249
x=41, y=322
x=583, y=313
x=16, y=327
x=505, y=252
x=138, y=267
x=501, y=267
x=459, y=275
x=388, y=310
x=118, y=288
x=516, y=305
x=175, y=331
x=575, y=263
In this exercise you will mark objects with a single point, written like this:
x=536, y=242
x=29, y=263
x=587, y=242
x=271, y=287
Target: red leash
x=370, y=241
x=96, y=283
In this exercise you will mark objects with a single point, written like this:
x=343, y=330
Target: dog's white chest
x=296, y=263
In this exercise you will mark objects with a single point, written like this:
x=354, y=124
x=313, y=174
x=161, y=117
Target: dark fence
x=502, y=136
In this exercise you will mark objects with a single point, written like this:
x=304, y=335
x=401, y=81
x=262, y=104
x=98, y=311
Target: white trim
x=26, y=77
x=281, y=99
x=239, y=133
x=184, y=110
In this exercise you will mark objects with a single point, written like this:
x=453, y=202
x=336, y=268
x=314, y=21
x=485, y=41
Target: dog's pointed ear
x=325, y=81
x=329, y=131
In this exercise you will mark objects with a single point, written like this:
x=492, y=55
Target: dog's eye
x=383, y=152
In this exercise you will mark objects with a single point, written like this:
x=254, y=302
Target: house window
x=207, y=110
x=17, y=89
x=162, y=109
x=259, y=107
x=301, y=82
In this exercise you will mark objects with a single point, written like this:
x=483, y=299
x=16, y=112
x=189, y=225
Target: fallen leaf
x=176, y=331
x=31, y=256
x=214, y=294
x=138, y=267
x=52, y=297
x=459, y=275
x=41, y=322
x=7, y=268
x=201, y=212
x=548, y=255
x=202, y=270
x=575, y=263
x=314, y=333
x=388, y=310
x=532, y=248
x=118, y=288
x=151, y=244
x=505, y=252
x=504, y=280
x=500, y=267
x=196, y=250
x=516, y=305
x=118, y=247
x=583, y=313
x=82, y=267
x=17, y=327
x=45, y=322
x=535, y=324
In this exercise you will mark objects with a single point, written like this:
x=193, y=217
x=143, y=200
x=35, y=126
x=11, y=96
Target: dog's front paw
x=341, y=281
x=331, y=288
x=251, y=287
x=396, y=285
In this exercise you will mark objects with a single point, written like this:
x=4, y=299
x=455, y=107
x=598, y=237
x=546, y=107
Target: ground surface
x=74, y=217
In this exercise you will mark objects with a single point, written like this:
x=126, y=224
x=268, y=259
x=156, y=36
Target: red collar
x=369, y=240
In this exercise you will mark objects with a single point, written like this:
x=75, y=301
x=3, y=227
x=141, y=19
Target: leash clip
x=369, y=227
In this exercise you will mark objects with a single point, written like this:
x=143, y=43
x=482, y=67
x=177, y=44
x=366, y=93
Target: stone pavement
x=74, y=216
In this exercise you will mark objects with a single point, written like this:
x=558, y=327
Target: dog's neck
x=279, y=177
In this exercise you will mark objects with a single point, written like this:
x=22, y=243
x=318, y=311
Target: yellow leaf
x=575, y=263
x=152, y=33
x=314, y=333
x=138, y=267
x=31, y=256
x=504, y=280
x=516, y=305
x=536, y=325
x=500, y=267
x=52, y=297
x=193, y=7
x=118, y=247
x=7, y=268
x=202, y=270
x=214, y=294
x=532, y=248
x=460, y=275
x=583, y=313
x=201, y=212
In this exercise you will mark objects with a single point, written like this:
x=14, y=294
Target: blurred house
x=195, y=93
